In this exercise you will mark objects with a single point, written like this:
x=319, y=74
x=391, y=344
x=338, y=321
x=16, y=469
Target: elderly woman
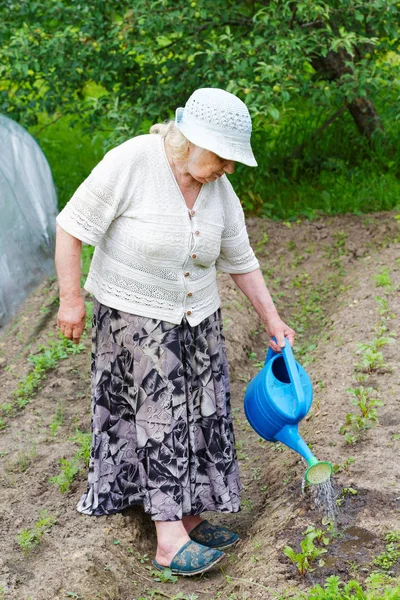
x=164, y=217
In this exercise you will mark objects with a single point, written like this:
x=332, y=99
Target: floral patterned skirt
x=161, y=418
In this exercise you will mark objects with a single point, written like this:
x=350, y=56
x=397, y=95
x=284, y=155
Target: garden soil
x=322, y=275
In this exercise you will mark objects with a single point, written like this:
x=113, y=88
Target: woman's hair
x=179, y=144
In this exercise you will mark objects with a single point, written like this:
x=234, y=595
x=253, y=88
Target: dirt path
x=323, y=278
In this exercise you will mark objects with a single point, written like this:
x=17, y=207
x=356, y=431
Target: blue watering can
x=276, y=400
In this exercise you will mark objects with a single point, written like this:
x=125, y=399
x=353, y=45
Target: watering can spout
x=289, y=435
x=318, y=471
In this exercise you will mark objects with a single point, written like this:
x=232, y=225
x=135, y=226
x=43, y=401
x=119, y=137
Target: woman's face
x=205, y=166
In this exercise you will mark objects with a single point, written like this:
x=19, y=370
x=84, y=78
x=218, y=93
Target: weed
x=29, y=538
x=248, y=504
x=143, y=558
x=165, y=576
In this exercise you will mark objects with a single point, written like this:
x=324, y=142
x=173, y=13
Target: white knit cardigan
x=154, y=257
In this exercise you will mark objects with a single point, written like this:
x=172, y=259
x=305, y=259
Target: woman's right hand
x=71, y=318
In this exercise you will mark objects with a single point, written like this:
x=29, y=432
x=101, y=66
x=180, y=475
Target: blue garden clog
x=192, y=559
x=213, y=536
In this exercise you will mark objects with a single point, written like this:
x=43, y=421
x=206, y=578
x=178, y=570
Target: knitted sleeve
x=97, y=201
x=236, y=255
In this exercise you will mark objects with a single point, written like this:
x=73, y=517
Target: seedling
x=71, y=468
x=345, y=466
x=371, y=360
x=376, y=587
x=165, y=576
x=356, y=424
x=383, y=305
x=58, y=419
x=304, y=560
x=391, y=556
x=376, y=343
x=29, y=538
x=383, y=279
x=43, y=361
x=346, y=492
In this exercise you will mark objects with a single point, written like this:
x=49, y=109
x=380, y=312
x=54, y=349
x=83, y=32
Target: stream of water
x=324, y=497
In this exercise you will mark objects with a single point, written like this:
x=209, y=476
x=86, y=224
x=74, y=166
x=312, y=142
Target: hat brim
x=210, y=140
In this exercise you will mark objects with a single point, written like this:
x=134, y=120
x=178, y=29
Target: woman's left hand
x=278, y=329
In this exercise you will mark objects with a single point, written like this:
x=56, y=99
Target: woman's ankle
x=191, y=521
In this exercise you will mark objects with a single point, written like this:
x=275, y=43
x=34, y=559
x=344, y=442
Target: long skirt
x=162, y=432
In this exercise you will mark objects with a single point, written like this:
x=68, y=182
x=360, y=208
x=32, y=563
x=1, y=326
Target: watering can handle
x=290, y=363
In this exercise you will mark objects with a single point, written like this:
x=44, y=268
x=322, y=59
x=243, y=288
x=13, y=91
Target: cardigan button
x=190, y=294
x=188, y=312
x=187, y=274
x=192, y=213
x=197, y=233
x=194, y=255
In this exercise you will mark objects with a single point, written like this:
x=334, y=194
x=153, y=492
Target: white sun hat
x=218, y=121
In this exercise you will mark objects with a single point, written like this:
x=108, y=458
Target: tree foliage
x=149, y=55
x=299, y=66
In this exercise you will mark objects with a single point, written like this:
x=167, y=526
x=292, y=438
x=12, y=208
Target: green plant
x=383, y=305
x=303, y=560
x=376, y=343
x=346, y=492
x=46, y=359
x=29, y=538
x=391, y=555
x=376, y=587
x=383, y=279
x=371, y=359
x=69, y=469
x=165, y=576
x=356, y=424
x=58, y=419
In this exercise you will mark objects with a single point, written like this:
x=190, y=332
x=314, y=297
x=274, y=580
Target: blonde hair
x=179, y=144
